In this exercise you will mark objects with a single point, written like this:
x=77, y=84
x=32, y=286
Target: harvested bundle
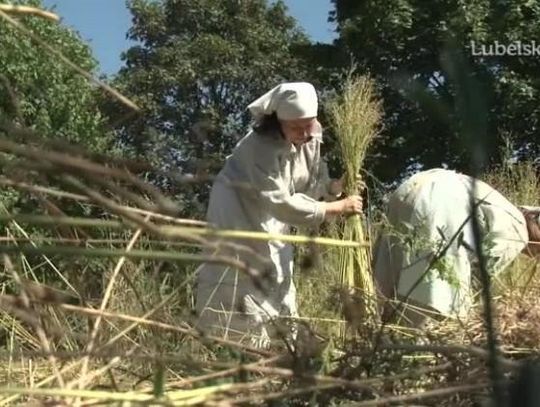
x=355, y=115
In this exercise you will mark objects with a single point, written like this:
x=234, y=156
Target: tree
x=52, y=99
x=402, y=39
x=41, y=94
x=38, y=92
x=196, y=66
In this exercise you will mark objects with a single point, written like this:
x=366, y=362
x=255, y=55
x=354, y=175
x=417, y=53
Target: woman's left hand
x=336, y=185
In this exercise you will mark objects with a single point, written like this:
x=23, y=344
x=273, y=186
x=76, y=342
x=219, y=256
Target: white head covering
x=290, y=101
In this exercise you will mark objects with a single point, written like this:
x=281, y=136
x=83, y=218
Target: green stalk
x=171, y=231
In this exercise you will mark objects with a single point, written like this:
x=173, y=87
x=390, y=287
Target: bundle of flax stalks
x=355, y=115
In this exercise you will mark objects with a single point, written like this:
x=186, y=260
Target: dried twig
x=38, y=327
x=452, y=349
x=26, y=10
x=105, y=301
x=78, y=197
x=465, y=388
x=173, y=328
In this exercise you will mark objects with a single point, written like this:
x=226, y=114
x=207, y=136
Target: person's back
x=427, y=251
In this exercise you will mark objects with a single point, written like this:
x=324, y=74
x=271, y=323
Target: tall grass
x=519, y=183
x=145, y=351
x=355, y=116
x=517, y=180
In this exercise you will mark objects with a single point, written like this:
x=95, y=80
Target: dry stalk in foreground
x=26, y=10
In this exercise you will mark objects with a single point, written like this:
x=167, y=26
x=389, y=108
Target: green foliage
x=402, y=40
x=197, y=66
x=52, y=99
x=39, y=93
x=518, y=181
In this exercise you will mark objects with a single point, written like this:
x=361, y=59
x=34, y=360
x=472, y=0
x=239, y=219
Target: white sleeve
x=294, y=209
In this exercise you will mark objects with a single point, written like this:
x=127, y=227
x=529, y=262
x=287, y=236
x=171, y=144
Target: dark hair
x=531, y=219
x=268, y=125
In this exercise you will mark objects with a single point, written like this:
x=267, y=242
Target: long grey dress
x=266, y=185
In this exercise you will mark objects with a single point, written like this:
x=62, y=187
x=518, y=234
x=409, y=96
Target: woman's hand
x=348, y=206
x=336, y=185
x=352, y=205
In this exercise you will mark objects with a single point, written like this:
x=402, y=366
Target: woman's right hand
x=352, y=205
x=347, y=206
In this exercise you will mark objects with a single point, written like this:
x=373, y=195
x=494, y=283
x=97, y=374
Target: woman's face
x=299, y=131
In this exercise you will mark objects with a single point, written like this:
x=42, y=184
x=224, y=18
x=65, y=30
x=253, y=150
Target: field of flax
x=96, y=294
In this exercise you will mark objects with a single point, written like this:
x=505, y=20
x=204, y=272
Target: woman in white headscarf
x=273, y=179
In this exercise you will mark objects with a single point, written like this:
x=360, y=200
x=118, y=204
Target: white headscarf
x=290, y=101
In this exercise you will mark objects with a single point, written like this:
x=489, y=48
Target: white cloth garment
x=424, y=214
x=266, y=185
x=290, y=101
